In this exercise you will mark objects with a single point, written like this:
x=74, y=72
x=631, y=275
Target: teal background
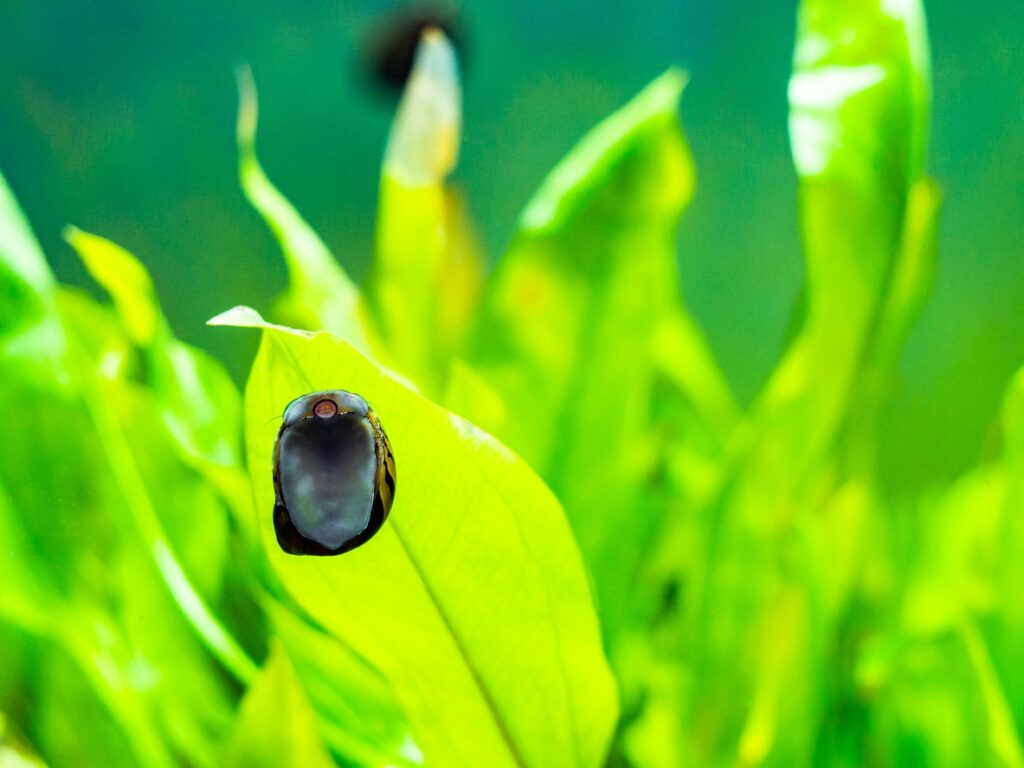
x=118, y=117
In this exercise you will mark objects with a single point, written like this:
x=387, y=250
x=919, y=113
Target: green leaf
x=760, y=617
x=199, y=403
x=582, y=326
x=14, y=751
x=357, y=712
x=127, y=282
x=93, y=469
x=201, y=410
x=913, y=273
x=320, y=292
x=26, y=284
x=426, y=270
x=55, y=576
x=472, y=600
x=858, y=120
x=276, y=727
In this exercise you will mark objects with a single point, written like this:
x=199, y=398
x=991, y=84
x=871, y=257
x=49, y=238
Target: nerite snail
x=334, y=474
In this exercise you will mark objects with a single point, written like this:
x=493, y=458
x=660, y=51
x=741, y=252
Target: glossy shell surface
x=334, y=474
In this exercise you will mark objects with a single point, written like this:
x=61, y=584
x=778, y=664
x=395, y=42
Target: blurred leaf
x=55, y=467
x=931, y=713
x=26, y=286
x=858, y=118
x=913, y=273
x=199, y=403
x=583, y=323
x=84, y=493
x=143, y=514
x=426, y=271
x=205, y=425
x=1003, y=738
x=61, y=687
x=461, y=281
x=320, y=293
x=127, y=282
x=275, y=726
x=14, y=751
x=492, y=665
x=357, y=712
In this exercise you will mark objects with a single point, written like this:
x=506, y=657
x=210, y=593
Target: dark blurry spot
x=391, y=45
x=670, y=599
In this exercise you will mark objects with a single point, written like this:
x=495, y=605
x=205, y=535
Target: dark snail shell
x=334, y=474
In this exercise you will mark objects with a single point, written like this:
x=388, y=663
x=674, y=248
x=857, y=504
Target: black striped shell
x=334, y=474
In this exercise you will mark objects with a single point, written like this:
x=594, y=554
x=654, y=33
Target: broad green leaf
x=426, y=271
x=320, y=293
x=583, y=324
x=275, y=726
x=472, y=600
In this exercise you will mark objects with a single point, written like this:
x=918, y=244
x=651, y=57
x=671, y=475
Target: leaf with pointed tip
x=199, y=403
x=320, y=294
x=26, y=285
x=858, y=119
x=426, y=272
x=583, y=324
x=858, y=114
x=472, y=600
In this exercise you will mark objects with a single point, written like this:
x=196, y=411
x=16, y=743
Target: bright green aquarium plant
x=594, y=555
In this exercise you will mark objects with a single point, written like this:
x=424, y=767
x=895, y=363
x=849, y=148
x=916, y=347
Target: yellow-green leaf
x=426, y=270
x=583, y=323
x=472, y=600
x=320, y=293
x=276, y=727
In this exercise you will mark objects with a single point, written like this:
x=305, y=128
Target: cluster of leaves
x=757, y=597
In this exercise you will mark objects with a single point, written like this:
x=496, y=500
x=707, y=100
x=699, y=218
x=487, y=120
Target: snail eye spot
x=325, y=409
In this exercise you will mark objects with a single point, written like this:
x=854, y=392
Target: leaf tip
x=70, y=233
x=238, y=317
x=248, y=107
x=667, y=89
x=599, y=149
x=423, y=146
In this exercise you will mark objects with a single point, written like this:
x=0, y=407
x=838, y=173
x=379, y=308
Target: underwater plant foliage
x=595, y=556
